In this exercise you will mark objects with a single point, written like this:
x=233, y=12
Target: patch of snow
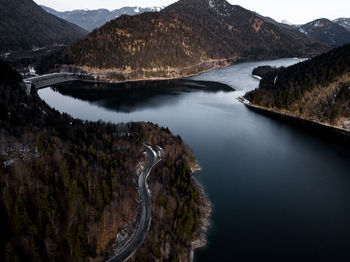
x=8, y=163
x=303, y=31
x=274, y=81
x=319, y=24
x=212, y=3
x=158, y=8
x=223, y=8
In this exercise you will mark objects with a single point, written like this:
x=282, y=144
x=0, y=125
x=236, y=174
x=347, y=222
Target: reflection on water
x=279, y=193
x=136, y=96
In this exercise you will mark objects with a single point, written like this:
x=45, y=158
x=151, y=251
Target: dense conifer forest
x=317, y=88
x=25, y=26
x=67, y=187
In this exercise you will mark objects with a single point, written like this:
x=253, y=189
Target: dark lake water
x=279, y=193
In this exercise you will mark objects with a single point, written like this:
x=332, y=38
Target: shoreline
x=334, y=132
x=204, y=222
x=103, y=73
x=217, y=64
x=88, y=76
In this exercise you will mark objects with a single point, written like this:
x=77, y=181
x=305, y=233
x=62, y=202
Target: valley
x=304, y=179
x=185, y=131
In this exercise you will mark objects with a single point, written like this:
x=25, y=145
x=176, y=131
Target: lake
x=279, y=193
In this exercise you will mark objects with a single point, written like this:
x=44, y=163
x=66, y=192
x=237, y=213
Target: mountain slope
x=317, y=89
x=24, y=25
x=185, y=38
x=326, y=31
x=344, y=22
x=92, y=19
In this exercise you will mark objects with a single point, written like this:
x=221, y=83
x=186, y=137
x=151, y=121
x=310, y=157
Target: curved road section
x=139, y=237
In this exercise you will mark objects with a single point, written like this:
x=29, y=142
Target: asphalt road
x=139, y=237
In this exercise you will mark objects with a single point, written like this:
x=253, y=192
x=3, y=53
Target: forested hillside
x=318, y=88
x=186, y=37
x=26, y=26
x=67, y=186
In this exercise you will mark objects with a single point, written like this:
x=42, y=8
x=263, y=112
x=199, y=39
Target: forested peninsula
x=67, y=187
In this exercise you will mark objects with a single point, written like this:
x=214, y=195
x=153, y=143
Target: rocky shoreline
x=328, y=131
x=205, y=222
x=200, y=237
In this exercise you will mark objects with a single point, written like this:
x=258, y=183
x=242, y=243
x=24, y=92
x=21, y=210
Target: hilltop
x=185, y=38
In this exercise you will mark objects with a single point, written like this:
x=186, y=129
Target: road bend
x=130, y=248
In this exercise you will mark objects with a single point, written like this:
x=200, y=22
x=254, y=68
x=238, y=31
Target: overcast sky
x=295, y=11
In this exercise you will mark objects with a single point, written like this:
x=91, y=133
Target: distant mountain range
x=333, y=33
x=92, y=19
x=24, y=25
x=187, y=37
x=326, y=31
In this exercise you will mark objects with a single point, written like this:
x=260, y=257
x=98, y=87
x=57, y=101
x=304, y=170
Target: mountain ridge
x=198, y=34
x=92, y=19
x=344, y=22
x=35, y=28
x=326, y=31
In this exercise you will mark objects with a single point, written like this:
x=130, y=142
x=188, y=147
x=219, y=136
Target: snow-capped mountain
x=344, y=22
x=326, y=31
x=91, y=19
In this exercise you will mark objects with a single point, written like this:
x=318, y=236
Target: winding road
x=139, y=237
